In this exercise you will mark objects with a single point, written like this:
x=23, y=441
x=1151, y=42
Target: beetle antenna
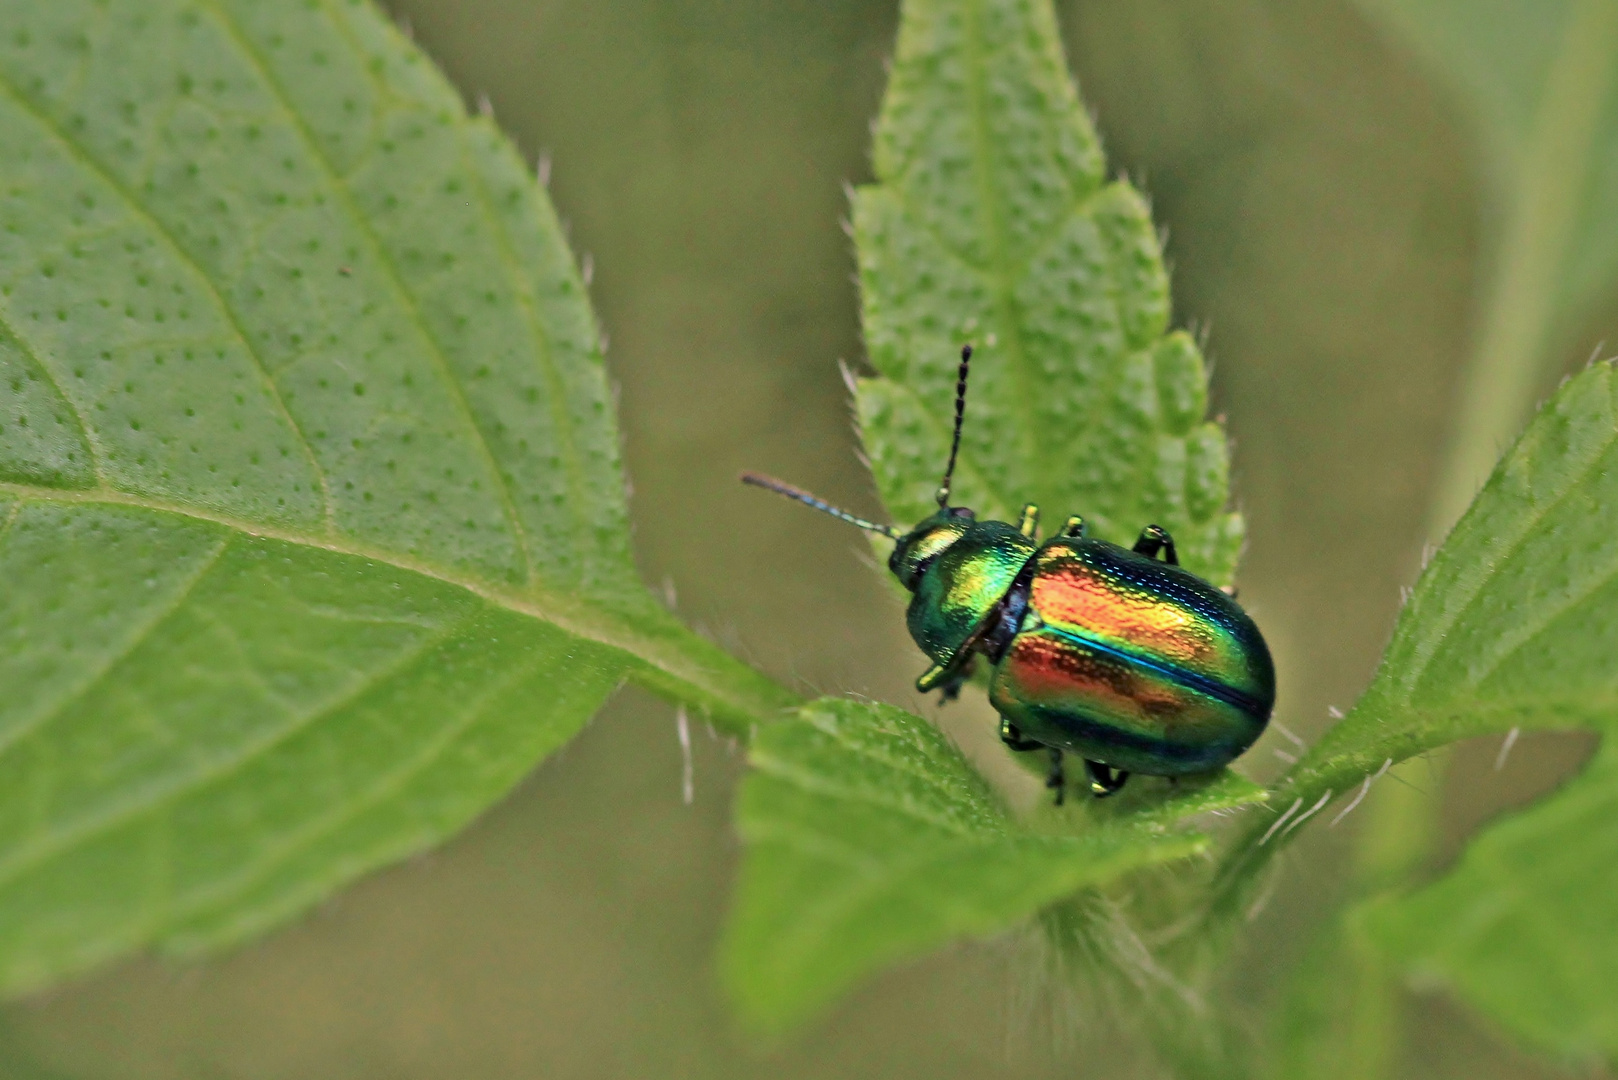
x=960, y=414
x=772, y=484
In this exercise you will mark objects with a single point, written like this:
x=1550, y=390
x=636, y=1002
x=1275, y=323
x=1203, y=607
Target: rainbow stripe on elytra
x=1159, y=614
x=1132, y=661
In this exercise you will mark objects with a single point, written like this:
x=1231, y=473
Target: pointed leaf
x=992, y=222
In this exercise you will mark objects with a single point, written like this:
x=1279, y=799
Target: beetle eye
x=961, y=512
x=917, y=571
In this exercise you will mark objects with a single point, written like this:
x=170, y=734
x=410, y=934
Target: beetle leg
x=948, y=677
x=933, y=678
x=950, y=688
x=1104, y=780
x=1014, y=738
x=1029, y=525
x=1073, y=528
x=1155, y=538
x=1057, y=780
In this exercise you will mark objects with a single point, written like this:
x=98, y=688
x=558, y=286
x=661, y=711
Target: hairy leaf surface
x=993, y=222
x=312, y=525
x=870, y=839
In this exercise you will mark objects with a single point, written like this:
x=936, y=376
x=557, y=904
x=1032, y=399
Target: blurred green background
x=1321, y=200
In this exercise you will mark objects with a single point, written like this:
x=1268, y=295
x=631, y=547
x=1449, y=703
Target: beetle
x=1123, y=658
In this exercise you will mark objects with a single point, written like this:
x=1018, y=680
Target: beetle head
x=915, y=551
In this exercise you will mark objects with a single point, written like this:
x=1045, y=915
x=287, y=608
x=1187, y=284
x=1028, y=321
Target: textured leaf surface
x=871, y=840
x=993, y=222
x=1513, y=623
x=312, y=528
x=1523, y=927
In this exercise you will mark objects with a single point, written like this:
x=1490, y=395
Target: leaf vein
x=1439, y=631
x=583, y=619
x=381, y=787
x=56, y=384
x=34, y=724
x=43, y=848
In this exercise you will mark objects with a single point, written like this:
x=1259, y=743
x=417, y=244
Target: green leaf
x=992, y=221
x=1522, y=927
x=870, y=840
x=1513, y=623
x=1538, y=79
x=312, y=525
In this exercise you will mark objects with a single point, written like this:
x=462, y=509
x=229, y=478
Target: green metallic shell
x=1134, y=663
x=963, y=584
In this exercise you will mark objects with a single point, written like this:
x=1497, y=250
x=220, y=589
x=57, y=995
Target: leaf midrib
x=1000, y=273
x=1000, y=270
x=578, y=616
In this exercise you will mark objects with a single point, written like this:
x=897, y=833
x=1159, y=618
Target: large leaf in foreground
x=992, y=222
x=1513, y=624
x=312, y=532
x=871, y=840
x=1523, y=927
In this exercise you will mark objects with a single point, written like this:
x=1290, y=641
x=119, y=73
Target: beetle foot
x=950, y=689
x=1104, y=779
x=1057, y=779
x=1014, y=738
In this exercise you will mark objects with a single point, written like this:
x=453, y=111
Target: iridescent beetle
x=1134, y=664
